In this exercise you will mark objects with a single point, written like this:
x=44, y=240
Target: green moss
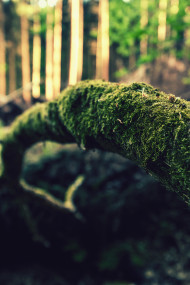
x=136, y=121
x=145, y=124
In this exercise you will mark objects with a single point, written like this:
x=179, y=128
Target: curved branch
x=137, y=121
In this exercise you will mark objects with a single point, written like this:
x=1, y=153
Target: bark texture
x=137, y=121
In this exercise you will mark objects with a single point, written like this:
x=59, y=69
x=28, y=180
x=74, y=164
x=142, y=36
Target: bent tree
x=136, y=121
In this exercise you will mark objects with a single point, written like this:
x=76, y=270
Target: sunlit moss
x=141, y=122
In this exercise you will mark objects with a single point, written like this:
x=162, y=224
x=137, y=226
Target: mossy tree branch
x=137, y=121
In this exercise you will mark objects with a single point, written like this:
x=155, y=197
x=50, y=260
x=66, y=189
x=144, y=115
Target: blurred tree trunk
x=76, y=49
x=99, y=46
x=174, y=6
x=162, y=16
x=12, y=68
x=36, y=57
x=57, y=48
x=25, y=53
x=187, y=35
x=173, y=10
x=74, y=7
x=132, y=57
x=2, y=53
x=49, y=55
x=102, y=55
x=81, y=39
x=144, y=22
x=12, y=42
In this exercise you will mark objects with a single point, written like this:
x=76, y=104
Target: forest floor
x=138, y=233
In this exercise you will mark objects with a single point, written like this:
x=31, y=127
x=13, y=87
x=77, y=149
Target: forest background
x=55, y=43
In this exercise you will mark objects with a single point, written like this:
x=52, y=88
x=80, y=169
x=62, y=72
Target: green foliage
x=112, y=258
x=147, y=58
x=186, y=80
x=74, y=249
x=126, y=32
x=121, y=72
x=124, y=25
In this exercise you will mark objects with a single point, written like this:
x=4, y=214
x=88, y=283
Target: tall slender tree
x=49, y=55
x=12, y=43
x=174, y=6
x=187, y=35
x=144, y=22
x=2, y=53
x=12, y=67
x=57, y=48
x=36, y=56
x=76, y=49
x=162, y=20
x=25, y=53
x=99, y=46
x=81, y=39
x=102, y=56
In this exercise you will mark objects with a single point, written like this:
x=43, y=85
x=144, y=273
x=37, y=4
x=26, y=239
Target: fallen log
x=136, y=121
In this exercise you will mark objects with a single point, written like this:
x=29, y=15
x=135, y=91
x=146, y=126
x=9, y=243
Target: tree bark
x=76, y=50
x=144, y=23
x=12, y=68
x=49, y=55
x=102, y=54
x=136, y=121
x=36, y=57
x=2, y=53
x=25, y=58
x=162, y=17
x=57, y=47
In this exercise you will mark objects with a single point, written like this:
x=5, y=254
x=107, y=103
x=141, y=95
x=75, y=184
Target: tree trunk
x=75, y=71
x=2, y=53
x=162, y=20
x=144, y=22
x=102, y=56
x=132, y=57
x=49, y=56
x=174, y=6
x=187, y=36
x=81, y=39
x=57, y=49
x=25, y=58
x=137, y=121
x=12, y=68
x=36, y=57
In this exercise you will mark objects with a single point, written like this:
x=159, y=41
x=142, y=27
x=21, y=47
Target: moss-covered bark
x=136, y=121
